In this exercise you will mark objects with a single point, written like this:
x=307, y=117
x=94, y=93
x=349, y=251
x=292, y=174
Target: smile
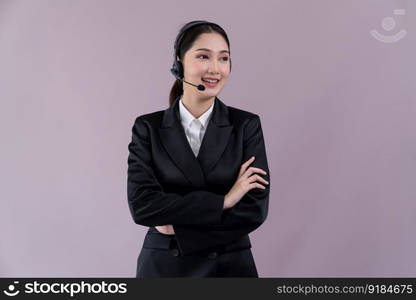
x=210, y=82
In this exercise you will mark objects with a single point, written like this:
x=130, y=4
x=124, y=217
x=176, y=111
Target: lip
x=212, y=78
x=210, y=85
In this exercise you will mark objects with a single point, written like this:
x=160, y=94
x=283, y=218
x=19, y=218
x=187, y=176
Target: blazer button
x=212, y=255
x=175, y=252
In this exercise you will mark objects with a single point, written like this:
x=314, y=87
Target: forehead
x=213, y=41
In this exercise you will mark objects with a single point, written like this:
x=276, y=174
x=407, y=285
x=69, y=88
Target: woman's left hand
x=165, y=229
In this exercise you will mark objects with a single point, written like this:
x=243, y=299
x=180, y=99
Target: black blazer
x=167, y=184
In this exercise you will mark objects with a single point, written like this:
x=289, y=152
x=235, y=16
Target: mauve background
x=337, y=109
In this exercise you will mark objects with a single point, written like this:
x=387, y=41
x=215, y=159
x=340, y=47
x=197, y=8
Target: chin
x=212, y=94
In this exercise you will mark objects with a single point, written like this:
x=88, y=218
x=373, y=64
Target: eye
x=223, y=58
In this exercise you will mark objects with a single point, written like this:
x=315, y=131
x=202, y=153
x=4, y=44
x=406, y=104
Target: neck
x=195, y=104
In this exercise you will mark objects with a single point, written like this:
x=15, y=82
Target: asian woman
x=198, y=175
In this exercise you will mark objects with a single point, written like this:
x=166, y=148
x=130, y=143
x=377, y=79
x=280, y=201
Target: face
x=212, y=62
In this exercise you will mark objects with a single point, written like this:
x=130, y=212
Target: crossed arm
x=198, y=218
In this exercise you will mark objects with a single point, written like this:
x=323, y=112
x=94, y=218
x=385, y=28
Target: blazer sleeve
x=246, y=216
x=149, y=204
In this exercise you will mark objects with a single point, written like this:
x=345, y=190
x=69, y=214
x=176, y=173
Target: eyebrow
x=222, y=51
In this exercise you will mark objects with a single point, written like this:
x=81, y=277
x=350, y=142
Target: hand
x=165, y=229
x=246, y=181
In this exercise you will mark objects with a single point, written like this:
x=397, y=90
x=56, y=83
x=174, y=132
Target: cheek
x=225, y=77
x=198, y=68
x=225, y=71
x=197, y=72
x=194, y=68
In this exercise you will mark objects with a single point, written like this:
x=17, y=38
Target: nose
x=214, y=67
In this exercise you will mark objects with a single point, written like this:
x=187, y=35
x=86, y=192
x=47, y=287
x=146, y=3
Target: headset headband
x=184, y=30
x=177, y=67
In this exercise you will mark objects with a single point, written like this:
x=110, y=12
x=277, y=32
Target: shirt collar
x=187, y=117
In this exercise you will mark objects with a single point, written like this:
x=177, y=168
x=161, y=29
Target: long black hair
x=186, y=43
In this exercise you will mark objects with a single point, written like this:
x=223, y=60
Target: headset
x=177, y=67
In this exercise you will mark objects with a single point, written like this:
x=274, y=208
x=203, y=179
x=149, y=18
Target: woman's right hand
x=165, y=229
x=246, y=181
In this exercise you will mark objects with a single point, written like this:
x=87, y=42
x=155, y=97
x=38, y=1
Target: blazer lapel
x=213, y=144
x=216, y=137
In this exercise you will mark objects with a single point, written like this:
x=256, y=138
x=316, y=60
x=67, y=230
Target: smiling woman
x=195, y=169
x=223, y=57
x=202, y=56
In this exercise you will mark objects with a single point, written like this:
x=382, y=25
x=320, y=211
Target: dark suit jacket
x=167, y=184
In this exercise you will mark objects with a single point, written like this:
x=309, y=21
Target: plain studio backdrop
x=337, y=107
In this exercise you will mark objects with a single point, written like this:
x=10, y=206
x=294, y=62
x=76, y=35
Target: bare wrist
x=226, y=204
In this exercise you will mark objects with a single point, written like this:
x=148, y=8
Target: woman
x=195, y=170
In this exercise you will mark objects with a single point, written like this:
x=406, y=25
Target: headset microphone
x=199, y=86
x=177, y=67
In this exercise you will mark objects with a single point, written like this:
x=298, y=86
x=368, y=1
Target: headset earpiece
x=177, y=66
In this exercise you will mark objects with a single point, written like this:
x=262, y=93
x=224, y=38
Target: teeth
x=211, y=81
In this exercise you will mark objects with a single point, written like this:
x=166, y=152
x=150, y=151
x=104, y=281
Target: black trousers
x=160, y=256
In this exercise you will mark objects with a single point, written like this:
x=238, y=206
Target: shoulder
x=151, y=119
x=242, y=117
x=146, y=123
x=247, y=122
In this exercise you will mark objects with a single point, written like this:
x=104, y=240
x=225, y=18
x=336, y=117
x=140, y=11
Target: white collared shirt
x=194, y=127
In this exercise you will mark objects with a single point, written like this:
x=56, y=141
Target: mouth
x=210, y=82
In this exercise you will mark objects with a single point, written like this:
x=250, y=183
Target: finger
x=257, y=178
x=256, y=185
x=245, y=165
x=258, y=170
x=252, y=170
